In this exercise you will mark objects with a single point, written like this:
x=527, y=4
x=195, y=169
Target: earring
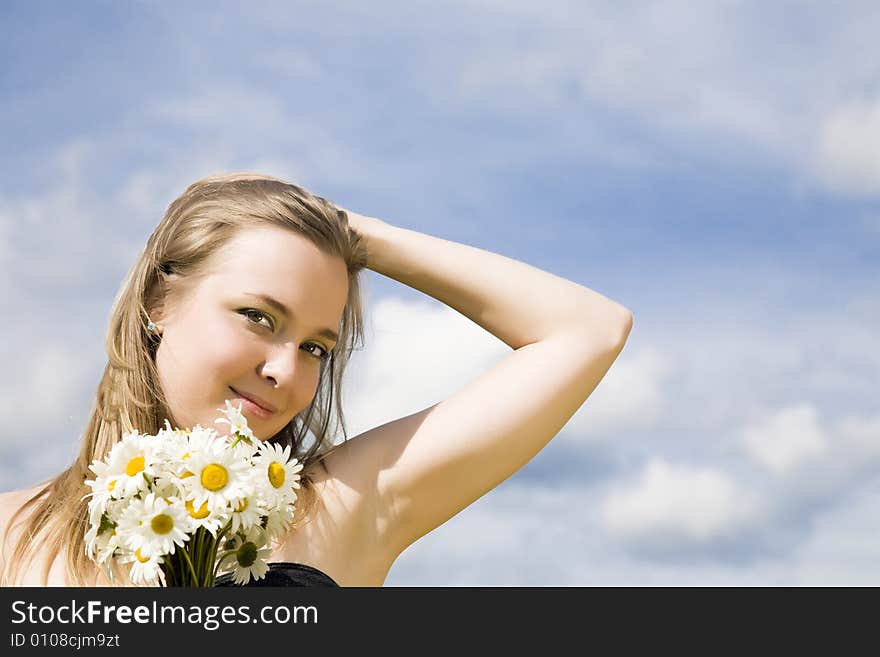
x=154, y=328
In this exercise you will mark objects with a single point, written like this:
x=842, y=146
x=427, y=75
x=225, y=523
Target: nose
x=280, y=365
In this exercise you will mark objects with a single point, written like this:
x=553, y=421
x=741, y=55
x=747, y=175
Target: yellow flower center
x=134, y=466
x=242, y=505
x=214, y=477
x=186, y=473
x=185, y=456
x=140, y=557
x=276, y=474
x=202, y=511
x=111, y=485
x=162, y=523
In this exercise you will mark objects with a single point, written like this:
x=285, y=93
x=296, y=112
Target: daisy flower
x=277, y=476
x=154, y=526
x=167, y=486
x=277, y=521
x=174, y=445
x=144, y=569
x=103, y=518
x=200, y=438
x=103, y=486
x=202, y=516
x=109, y=515
x=128, y=461
x=251, y=556
x=101, y=544
x=179, y=447
x=248, y=512
x=237, y=422
x=219, y=477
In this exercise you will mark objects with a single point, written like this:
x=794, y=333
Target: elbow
x=628, y=325
x=614, y=324
x=625, y=324
x=627, y=319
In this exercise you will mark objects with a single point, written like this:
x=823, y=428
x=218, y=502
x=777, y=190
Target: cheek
x=304, y=388
x=226, y=350
x=310, y=384
x=212, y=350
x=202, y=357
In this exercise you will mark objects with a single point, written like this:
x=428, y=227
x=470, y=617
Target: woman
x=248, y=290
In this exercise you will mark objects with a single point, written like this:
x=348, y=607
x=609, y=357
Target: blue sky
x=714, y=167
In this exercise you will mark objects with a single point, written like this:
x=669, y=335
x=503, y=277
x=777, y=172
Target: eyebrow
x=284, y=310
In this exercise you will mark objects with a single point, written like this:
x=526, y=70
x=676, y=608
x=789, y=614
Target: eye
x=324, y=354
x=250, y=312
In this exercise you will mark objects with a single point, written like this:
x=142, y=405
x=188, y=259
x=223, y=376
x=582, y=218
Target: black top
x=284, y=573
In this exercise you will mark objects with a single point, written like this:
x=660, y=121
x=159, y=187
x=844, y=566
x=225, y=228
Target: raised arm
x=424, y=468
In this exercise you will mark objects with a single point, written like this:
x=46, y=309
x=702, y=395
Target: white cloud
x=421, y=352
x=770, y=95
x=54, y=236
x=618, y=55
x=843, y=547
x=268, y=133
x=864, y=431
x=629, y=397
x=44, y=392
x=43, y=383
x=812, y=466
x=527, y=535
x=784, y=439
x=517, y=535
x=416, y=354
x=683, y=503
x=859, y=436
x=848, y=150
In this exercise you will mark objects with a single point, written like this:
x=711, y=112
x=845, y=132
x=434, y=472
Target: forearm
x=517, y=303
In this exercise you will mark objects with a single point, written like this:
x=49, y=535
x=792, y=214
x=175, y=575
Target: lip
x=255, y=404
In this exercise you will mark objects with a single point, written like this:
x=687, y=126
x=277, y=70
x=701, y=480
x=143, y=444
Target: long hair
x=129, y=397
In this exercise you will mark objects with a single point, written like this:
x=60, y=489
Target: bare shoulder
x=342, y=534
x=351, y=495
x=10, y=502
x=356, y=474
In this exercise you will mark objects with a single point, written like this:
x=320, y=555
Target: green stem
x=190, y=564
x=206, y=553
x=180, y=571
x=196, y=553
x=169, y=573
x=216, y=542
x=210, y=562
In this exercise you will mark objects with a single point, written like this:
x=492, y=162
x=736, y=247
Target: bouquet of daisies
x=183, y=506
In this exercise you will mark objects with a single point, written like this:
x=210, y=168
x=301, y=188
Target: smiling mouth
x=250, y=405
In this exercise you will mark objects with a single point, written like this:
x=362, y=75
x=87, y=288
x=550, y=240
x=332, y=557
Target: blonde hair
x=204, y=218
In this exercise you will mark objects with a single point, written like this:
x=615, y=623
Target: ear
x=170, y=291
x=159, y=303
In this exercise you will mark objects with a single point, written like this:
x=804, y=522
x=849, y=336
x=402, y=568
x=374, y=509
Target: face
x=219, y=342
